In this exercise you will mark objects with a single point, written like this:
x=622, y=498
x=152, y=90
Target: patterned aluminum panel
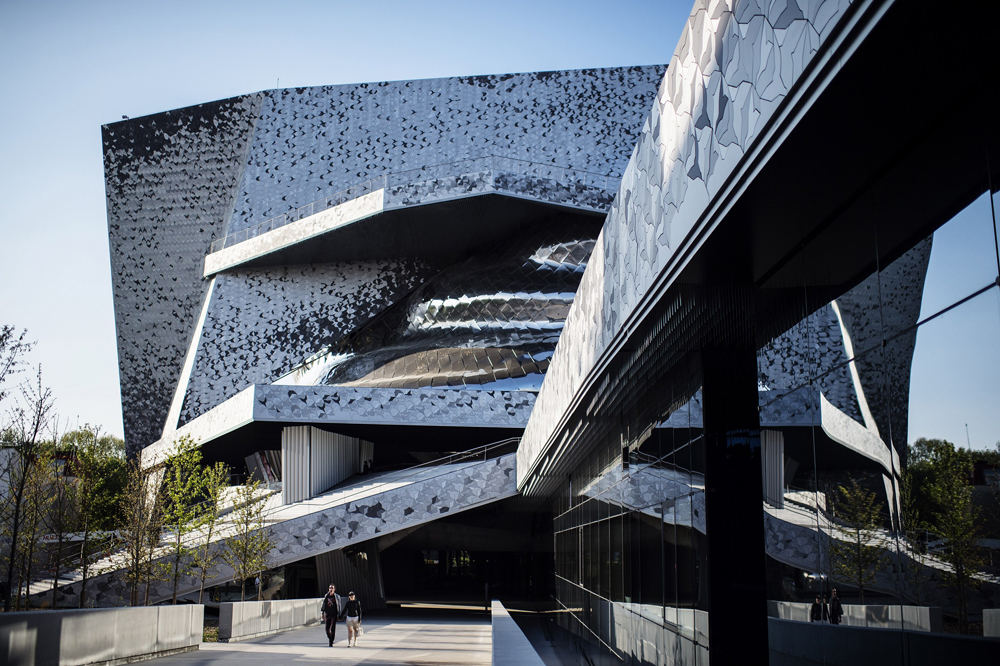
x=491, y=321
x=733, y=67
x=180, y=180
x=170, y=180
x=261, y=322
x=313, y=142
x=345, y=404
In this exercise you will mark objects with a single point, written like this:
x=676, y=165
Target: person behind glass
x=352, y=611
x=816, y=612
x=836, y=609
x=331, y=608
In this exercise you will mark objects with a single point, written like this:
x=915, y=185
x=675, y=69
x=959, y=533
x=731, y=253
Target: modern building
x=319, y=282
x=741, y=345
x=721, y=269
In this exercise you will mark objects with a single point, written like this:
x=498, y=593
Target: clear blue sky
x=70, y=67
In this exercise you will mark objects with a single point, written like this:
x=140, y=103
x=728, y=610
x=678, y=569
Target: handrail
x=385, y=181
x=452, y=458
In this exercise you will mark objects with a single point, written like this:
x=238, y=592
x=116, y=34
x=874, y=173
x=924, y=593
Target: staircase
x=360, y=509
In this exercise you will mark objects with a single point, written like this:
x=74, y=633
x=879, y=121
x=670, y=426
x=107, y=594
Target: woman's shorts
x=353, y=622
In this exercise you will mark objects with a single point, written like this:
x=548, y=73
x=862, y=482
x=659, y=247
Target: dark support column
x=737, y=617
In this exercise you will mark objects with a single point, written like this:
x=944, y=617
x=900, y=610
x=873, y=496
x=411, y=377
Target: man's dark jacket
x=331, y=604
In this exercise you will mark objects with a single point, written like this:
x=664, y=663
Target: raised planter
x=99, y=636
x=246, y=619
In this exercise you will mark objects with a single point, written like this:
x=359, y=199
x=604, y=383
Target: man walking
x=836, y=609
x=331, y=611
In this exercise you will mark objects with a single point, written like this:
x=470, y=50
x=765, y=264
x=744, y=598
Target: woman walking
x=352, y=611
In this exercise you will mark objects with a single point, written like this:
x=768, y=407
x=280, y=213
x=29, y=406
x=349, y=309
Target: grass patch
x=210, y=635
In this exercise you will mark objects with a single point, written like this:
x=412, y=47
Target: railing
x=110, y=547
x=299, y=213
x=493, y=163
x=101, y=544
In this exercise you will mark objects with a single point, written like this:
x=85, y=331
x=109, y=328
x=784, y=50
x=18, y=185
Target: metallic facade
x=181, y=180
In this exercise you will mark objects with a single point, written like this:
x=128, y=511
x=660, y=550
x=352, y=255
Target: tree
x=140, y=527
x=214, y=482
x=36, y=504
x=182, y=485
x=953, y=518
x=857, y=557
x=63, y=515
x=913, y=529
x=102, y=472
x=13, y=348
x=249, y=546
x=30, y=419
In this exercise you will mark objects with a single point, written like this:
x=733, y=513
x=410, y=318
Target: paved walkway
x=418, y=641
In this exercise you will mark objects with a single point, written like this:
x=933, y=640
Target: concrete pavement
x=417, y=640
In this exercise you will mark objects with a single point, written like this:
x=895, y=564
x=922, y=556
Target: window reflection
x=874, y=407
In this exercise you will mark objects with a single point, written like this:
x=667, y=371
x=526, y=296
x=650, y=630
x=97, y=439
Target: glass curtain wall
x=880, y=447
x=880, y=414
x=630, y=548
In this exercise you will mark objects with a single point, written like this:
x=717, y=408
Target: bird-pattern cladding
x=735, y=64
x=312, y=142
x=180, y=179
x=170, y=181
x=263, y=321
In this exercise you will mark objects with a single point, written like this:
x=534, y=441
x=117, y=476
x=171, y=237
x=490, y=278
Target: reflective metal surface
x=490, y=321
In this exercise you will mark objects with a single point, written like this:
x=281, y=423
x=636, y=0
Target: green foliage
x=214, y=482
x=249, y=545
x=103, y=471
x=913, y=529
x=63, y=515
x=987, y=456
x=950, y=513
x=89, y=438
x=140, y=525
x=182, y=486
x=857, y=552
x=23, y=462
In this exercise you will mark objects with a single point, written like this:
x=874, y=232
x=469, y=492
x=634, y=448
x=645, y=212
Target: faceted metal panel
x=734, y=65
x=342, y=404
x=888, y=309
x=261, y=322
x=178, y=180
x=313, y=142
x=170, y=181
x=489, y=322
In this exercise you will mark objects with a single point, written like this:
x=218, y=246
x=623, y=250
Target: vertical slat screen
x=773, y=462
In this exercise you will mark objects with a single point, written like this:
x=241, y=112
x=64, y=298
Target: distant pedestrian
x=352, y=611
x=331, y=610
x=836, y=609
x=816, y=612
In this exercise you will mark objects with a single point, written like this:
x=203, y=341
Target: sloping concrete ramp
x=362, y=509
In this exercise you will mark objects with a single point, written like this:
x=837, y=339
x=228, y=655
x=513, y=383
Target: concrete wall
x=100, y=635
x=805, y=644
x=991, y=622
x=510, y=645
x=910, y=618
x=247, y=619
